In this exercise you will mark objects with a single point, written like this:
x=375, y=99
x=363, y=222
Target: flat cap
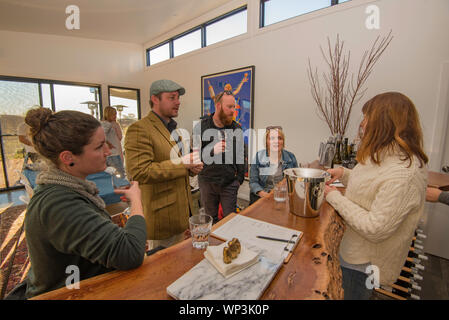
x=159, y=86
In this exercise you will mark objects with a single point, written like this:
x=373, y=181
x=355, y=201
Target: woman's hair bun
x=38, y=119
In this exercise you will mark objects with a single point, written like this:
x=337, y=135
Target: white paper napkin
x=246, y=258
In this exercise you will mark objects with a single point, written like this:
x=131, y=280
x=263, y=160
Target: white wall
x=412, y=65
x=71, y=59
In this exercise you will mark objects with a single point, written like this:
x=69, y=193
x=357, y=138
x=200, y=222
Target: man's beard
x=224, y=119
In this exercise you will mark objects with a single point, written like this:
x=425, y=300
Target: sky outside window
x=70, y=97
x=17, y=97
x=278, y=10
x=160, y=54
x=226, y=28
x=187, y=43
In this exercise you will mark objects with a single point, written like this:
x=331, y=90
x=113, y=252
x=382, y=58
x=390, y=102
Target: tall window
x=273, y=11
x=127, y=103
x=17, y=96
x=77, y=98
x=229, y=25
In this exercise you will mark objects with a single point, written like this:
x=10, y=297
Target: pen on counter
x=275, y=239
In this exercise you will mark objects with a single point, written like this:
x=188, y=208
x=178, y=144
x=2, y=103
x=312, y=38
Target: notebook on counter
x=204, y=281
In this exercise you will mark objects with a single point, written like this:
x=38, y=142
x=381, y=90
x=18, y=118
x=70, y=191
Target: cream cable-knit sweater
x=381, y=207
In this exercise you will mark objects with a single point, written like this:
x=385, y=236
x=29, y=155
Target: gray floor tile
x=433, y=266
x=433, y=288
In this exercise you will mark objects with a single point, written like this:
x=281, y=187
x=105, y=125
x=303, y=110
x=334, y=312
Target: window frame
x=262, y=13
x=139, y=112
x=196, y=28
x=39, y=82
x=185, y=34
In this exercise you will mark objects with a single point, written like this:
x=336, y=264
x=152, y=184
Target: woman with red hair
x=385, y=194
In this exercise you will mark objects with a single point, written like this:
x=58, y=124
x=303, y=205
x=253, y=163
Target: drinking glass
x=119, y=182
x=280, y=192
x=200, y=226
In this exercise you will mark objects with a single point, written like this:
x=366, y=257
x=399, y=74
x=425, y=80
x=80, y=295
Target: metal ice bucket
x=306, y=190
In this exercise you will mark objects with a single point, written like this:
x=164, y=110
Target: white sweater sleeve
x=394, y=200
x=345, y=178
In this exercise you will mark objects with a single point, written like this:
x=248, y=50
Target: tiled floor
x=435, y=284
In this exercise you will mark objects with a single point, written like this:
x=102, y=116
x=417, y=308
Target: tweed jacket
x=153, y=159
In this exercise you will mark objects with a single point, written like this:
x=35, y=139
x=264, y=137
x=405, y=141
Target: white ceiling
x=136, y=21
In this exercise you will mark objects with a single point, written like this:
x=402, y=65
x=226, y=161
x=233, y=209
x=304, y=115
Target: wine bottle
x=412, y=265
x=409, y=285
x=411, y=275
x=401, y=293
x=421, y=235
x=414, y=260
x=345, y=155
x=416, y=250
x=411, y=270
x=336, y=162
x=411, y=281
x=416, y=255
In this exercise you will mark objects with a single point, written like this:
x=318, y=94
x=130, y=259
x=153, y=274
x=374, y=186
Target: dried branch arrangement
x=336, y=99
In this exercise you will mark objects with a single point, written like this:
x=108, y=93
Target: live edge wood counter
x=313, y=271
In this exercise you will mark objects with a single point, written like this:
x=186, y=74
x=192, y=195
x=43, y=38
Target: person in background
x=437, y=195
x=223, y=147
x=385, y=194
x=163, y=174
x=25, y=139
x=269, y=164
x=113, y=134
x=66, y=223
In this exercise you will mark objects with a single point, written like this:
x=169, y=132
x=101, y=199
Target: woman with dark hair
x=269, y=164
x=67, y=227
x=385, y=195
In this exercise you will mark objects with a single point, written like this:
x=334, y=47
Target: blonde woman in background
x=269, y=164
x=114, y=136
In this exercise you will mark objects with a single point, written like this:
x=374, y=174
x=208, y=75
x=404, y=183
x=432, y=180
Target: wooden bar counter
x=313, y=271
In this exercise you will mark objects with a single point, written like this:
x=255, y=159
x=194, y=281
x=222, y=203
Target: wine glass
x=119, y=181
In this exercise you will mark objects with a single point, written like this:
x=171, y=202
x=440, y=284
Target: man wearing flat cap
x=154, y=159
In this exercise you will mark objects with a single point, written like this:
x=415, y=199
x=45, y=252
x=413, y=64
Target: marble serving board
x=204, y=282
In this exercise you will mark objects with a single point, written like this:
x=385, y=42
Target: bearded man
x=223, y=153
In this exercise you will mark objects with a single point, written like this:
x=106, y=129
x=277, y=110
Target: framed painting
x=241, y=83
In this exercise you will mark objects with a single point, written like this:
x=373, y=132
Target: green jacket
x=65, y=229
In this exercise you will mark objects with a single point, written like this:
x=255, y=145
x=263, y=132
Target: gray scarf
x=86, y=188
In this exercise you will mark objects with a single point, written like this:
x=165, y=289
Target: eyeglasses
x=220, y=95
x=273, y=127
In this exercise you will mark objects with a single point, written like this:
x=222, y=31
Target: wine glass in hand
x=119, y=182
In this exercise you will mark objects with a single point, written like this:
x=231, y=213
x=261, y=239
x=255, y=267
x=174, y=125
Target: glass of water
x=280, y=192
x=200, y=226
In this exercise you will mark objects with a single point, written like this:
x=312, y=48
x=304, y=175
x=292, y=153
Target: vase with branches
x=339, y=93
